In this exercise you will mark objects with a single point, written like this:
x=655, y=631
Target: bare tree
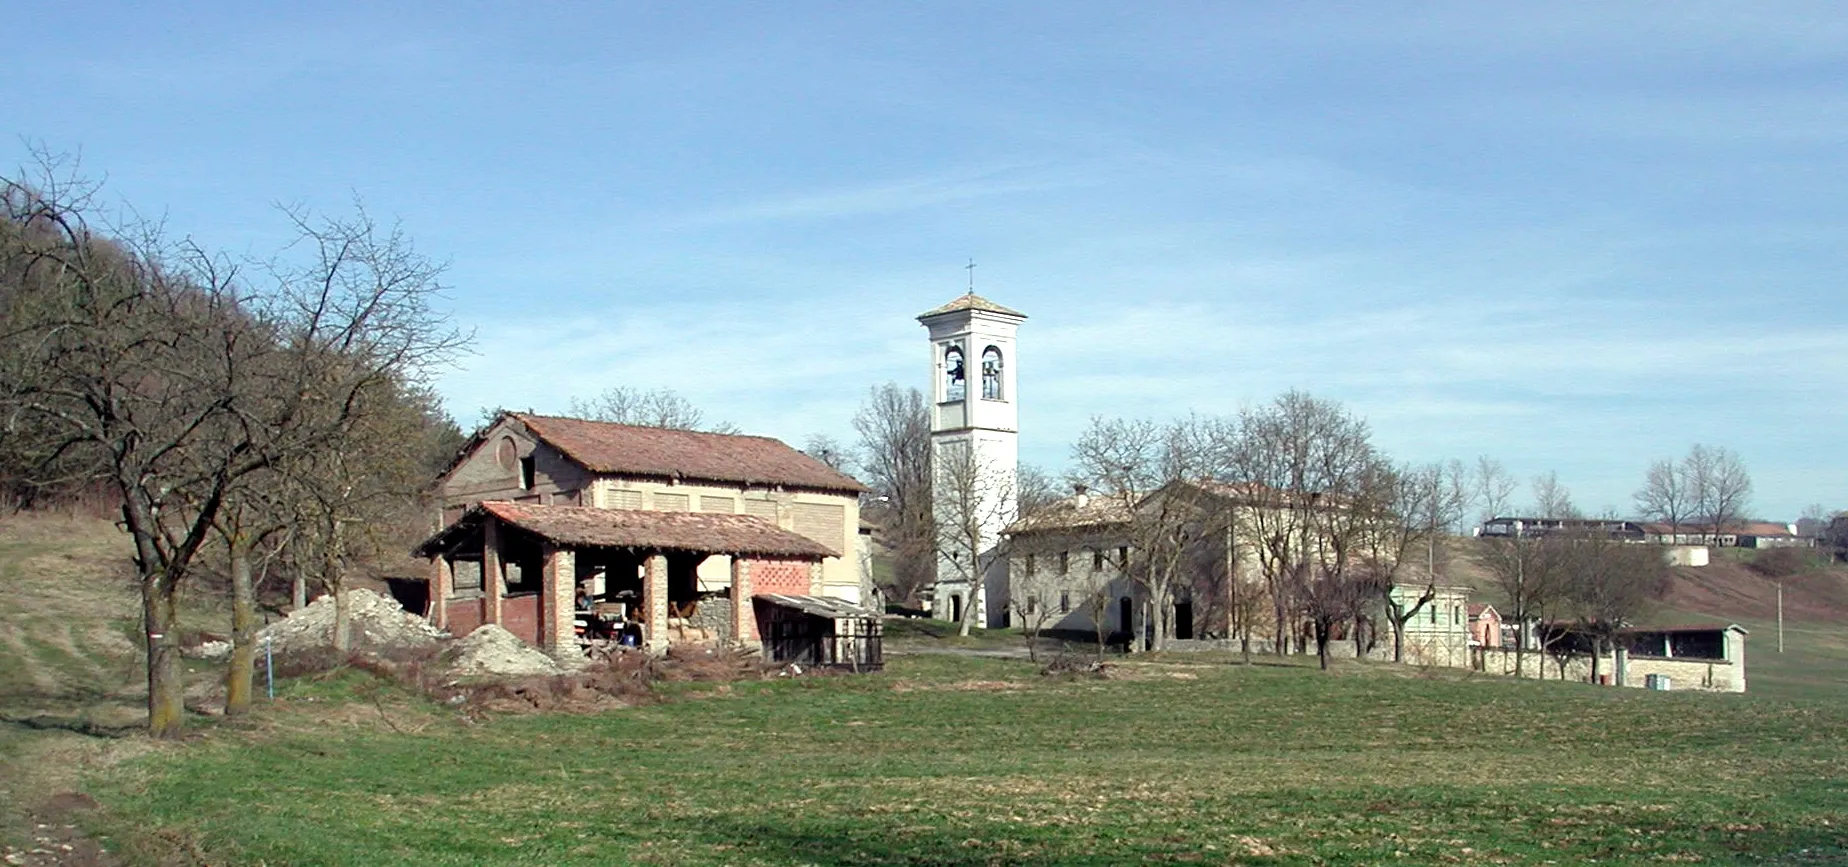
x=1530, y=574
x=829, y=451
x=1494, y=487
x=1551, y=498
x=176, y=378
x=655, y=407
x=1722, y=488
x=1607, y=585
x=1129, y=462
x=1316, y=480
x=894, y=455
x=972, y=500
x=1032, y=599
x=1421, y=503
x=1666, y=496
x=1037, y=489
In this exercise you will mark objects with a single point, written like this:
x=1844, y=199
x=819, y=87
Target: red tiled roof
x=1097, y=511
x=605, y=447
x=971, y=301
x=584, y=527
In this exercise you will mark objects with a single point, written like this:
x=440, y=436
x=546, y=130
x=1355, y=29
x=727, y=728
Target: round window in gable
x=507, y=452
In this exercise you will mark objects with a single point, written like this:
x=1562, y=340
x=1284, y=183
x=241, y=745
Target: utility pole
x=1780, y=617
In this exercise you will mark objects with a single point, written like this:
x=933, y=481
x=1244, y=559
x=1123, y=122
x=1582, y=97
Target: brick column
x=490, y=571
x=654, y=601
x=442, y=584
x=557, y=601
x=744, y=615
x=814, y=576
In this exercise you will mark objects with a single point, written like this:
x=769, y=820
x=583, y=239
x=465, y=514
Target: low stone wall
x=1708, y=675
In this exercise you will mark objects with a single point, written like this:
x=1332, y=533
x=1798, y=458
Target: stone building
x=672, y=525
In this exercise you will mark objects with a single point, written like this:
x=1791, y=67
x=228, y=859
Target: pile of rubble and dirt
x=374, y=623
x=495, y=652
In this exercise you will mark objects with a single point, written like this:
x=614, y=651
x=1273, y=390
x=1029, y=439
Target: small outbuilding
x=819, y=630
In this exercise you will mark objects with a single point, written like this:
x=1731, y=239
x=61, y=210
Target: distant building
x=1741, y=534
x=1510, y=527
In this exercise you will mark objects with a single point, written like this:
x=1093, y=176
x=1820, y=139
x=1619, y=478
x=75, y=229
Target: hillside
x=1726, y=589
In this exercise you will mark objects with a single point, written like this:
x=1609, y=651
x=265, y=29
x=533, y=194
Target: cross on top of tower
x=971, y=269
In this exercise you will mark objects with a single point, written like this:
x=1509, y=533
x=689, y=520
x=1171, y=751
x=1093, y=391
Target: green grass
x=945, y=760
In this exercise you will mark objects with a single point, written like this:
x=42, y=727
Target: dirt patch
x=1727, y=589
x=958, y=686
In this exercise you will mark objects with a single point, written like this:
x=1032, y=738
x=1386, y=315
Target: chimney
x=1083, y=496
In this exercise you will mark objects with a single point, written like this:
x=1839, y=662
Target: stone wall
x=1708, y=675
x=713, y=619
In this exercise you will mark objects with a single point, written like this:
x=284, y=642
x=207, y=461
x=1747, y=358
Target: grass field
x=947, y=757
x=948, y=760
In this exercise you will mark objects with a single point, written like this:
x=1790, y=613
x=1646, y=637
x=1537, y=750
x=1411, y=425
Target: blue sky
x=1575, y=237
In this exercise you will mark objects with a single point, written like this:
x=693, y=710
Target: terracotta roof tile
x=1071, y=514
x=605, y=447
x=584, y=527
x=971, y=301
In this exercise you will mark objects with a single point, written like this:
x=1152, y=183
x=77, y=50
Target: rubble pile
x=493, y=651
x=374, y=622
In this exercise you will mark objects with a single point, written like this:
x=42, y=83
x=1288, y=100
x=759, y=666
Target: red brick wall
x=464, y=616
x=788, y=577
x=520, y=616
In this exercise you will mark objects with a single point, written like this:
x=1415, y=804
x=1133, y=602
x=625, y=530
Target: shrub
x=1780, y=562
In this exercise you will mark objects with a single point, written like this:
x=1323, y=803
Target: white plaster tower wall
x=977, y=410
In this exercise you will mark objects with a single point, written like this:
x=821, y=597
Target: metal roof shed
x=819, y=630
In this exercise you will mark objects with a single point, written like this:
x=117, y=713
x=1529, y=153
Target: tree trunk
x=1520, y=650
x=1283, y=629
x=1159, y=612
x=299, y=595
x=166, y=689
x=1244, y=646
x=1597, y=644
x=1398, y=640
x=343, y=641
x=242, y=671
x=1321, y=643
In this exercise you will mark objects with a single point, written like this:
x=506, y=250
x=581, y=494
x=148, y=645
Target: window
x=1064, y=562
x=1097, y=560
x=1065, y=602
x=953, y=374
x=1123, y=557
x=1029, y=564
x=529, y=473
x=1434, y=615
x=1032, y=605
x=1456, y=616
x=991, y=373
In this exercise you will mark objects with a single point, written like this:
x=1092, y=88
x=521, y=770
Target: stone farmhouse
x=1071, y=556
x=675, y=529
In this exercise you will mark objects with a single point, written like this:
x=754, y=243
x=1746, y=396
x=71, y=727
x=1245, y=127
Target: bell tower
x=974, y=450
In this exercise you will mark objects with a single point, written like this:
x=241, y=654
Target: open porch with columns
x=542, y=572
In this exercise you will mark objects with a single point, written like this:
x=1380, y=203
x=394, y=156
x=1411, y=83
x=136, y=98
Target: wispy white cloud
x=886, y=197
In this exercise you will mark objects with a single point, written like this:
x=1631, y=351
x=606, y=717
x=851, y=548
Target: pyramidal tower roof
x=971, y=301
